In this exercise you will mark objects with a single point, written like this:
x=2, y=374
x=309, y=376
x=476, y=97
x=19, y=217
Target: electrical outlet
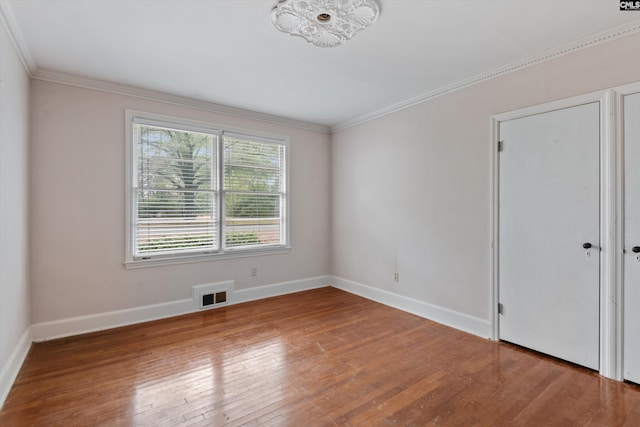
x=254, y=272
x=396, y=277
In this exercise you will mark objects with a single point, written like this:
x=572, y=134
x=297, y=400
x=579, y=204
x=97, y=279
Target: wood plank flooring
x=316, y=358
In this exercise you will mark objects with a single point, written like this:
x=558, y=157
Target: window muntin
x=201, y=192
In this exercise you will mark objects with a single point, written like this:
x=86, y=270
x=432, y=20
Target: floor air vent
x=215, y=298
x=212, y=295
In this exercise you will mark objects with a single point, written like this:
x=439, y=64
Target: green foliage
x=252, y=167
x=176, y=183
x=241, y=239
x=173, y=162
x=175, y=242
x=191, y=242
x=252, y=206
x=170, y=164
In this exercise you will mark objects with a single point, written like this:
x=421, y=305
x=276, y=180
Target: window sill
x=159, y=262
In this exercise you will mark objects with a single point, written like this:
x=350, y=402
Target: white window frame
x=131, y=261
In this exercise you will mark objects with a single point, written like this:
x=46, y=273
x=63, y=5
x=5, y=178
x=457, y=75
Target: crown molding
x=577, y=45
x=183, y=101
x=8, y=19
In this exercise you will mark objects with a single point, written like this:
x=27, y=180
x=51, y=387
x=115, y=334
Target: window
x=253, y=188
x=201, y=192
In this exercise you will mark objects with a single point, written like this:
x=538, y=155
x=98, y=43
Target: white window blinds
x=176, y=200
x=254, y=191
x=196, y=191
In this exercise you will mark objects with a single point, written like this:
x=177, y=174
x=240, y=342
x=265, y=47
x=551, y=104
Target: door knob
x=635, y=249
x=586, y=245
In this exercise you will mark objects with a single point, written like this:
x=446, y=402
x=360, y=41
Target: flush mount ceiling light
x=325, y=23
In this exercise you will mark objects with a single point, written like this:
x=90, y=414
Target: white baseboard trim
x=113, y=319
x=445, y=316
x=260, y=292
x=11, y=369
x=110, y=319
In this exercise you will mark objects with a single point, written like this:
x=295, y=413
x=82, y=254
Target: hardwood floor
x=315, y=358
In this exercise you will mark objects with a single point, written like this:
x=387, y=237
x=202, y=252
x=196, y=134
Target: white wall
x=14, y=283
x=412, y=185
x=415, y=184
x=77, y=208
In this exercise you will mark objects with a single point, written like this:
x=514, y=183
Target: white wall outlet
x=254, y=271
x=396, y=277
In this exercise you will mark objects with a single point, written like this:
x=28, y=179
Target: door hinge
x=500, y=146
x=500, y=308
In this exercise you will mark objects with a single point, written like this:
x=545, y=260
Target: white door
x=549, y=285
x=632, y=238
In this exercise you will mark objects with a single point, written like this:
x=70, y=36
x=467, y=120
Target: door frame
x=610, y=354
x=620, y=93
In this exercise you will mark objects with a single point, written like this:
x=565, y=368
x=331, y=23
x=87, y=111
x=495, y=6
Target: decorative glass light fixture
x=325, y=23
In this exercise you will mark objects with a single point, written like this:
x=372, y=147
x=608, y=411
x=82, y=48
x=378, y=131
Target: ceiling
x=227, y=52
